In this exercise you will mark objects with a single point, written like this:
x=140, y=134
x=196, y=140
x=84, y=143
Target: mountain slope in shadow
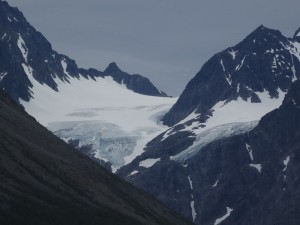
x=45, y=181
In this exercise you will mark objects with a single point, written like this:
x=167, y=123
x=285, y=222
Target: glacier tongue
x=106, y=140
x=214, y=134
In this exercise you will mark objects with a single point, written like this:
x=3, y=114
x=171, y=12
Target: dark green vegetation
x=45, y=181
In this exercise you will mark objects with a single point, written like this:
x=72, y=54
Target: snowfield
x=213, y=134
x=236, y=111
x=117, y=122
x=228, y=119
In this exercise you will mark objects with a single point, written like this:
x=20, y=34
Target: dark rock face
x=297, y=36
x=45, y=181
x=264, y=60
x=250, y=178
x=135, y=82
x=22, y=46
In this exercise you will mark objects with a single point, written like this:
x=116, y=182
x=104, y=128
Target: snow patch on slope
x=3, y=36
x=194, y=213
x=192, y=204
x=64, y=66
x=147, y=163
x=215, y=184
x=22, y=46
x=218, y=221
x=286, y=162
x=256, y=166
x=238, y=67
x=190, y=182
x=222, y=64
x=249, y=150
x=133, y=173
x=233, y=54
x=227, y=75
x=2, y=75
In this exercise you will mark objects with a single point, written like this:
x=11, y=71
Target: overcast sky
x=165, y=40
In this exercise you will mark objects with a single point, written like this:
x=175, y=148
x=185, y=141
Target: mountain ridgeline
x=264, y=61
x=226, y=153
x=23, y=48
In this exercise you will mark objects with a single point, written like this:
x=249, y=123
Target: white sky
x=165, y=40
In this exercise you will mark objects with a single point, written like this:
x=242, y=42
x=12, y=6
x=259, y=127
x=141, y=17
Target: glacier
x=213, y=134
x=115, y=122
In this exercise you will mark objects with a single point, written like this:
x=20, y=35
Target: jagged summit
x=262, y=37
x=265, y=61
x=261, y=27
x=112, y=68
x=135, y=82
x=27, y=56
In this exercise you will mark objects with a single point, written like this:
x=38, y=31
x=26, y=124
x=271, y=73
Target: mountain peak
x=262, y=29
x=250, y=67
x=112, y=68
x=21, y=45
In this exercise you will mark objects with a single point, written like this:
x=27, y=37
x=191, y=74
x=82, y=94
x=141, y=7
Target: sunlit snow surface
x=117, y=122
